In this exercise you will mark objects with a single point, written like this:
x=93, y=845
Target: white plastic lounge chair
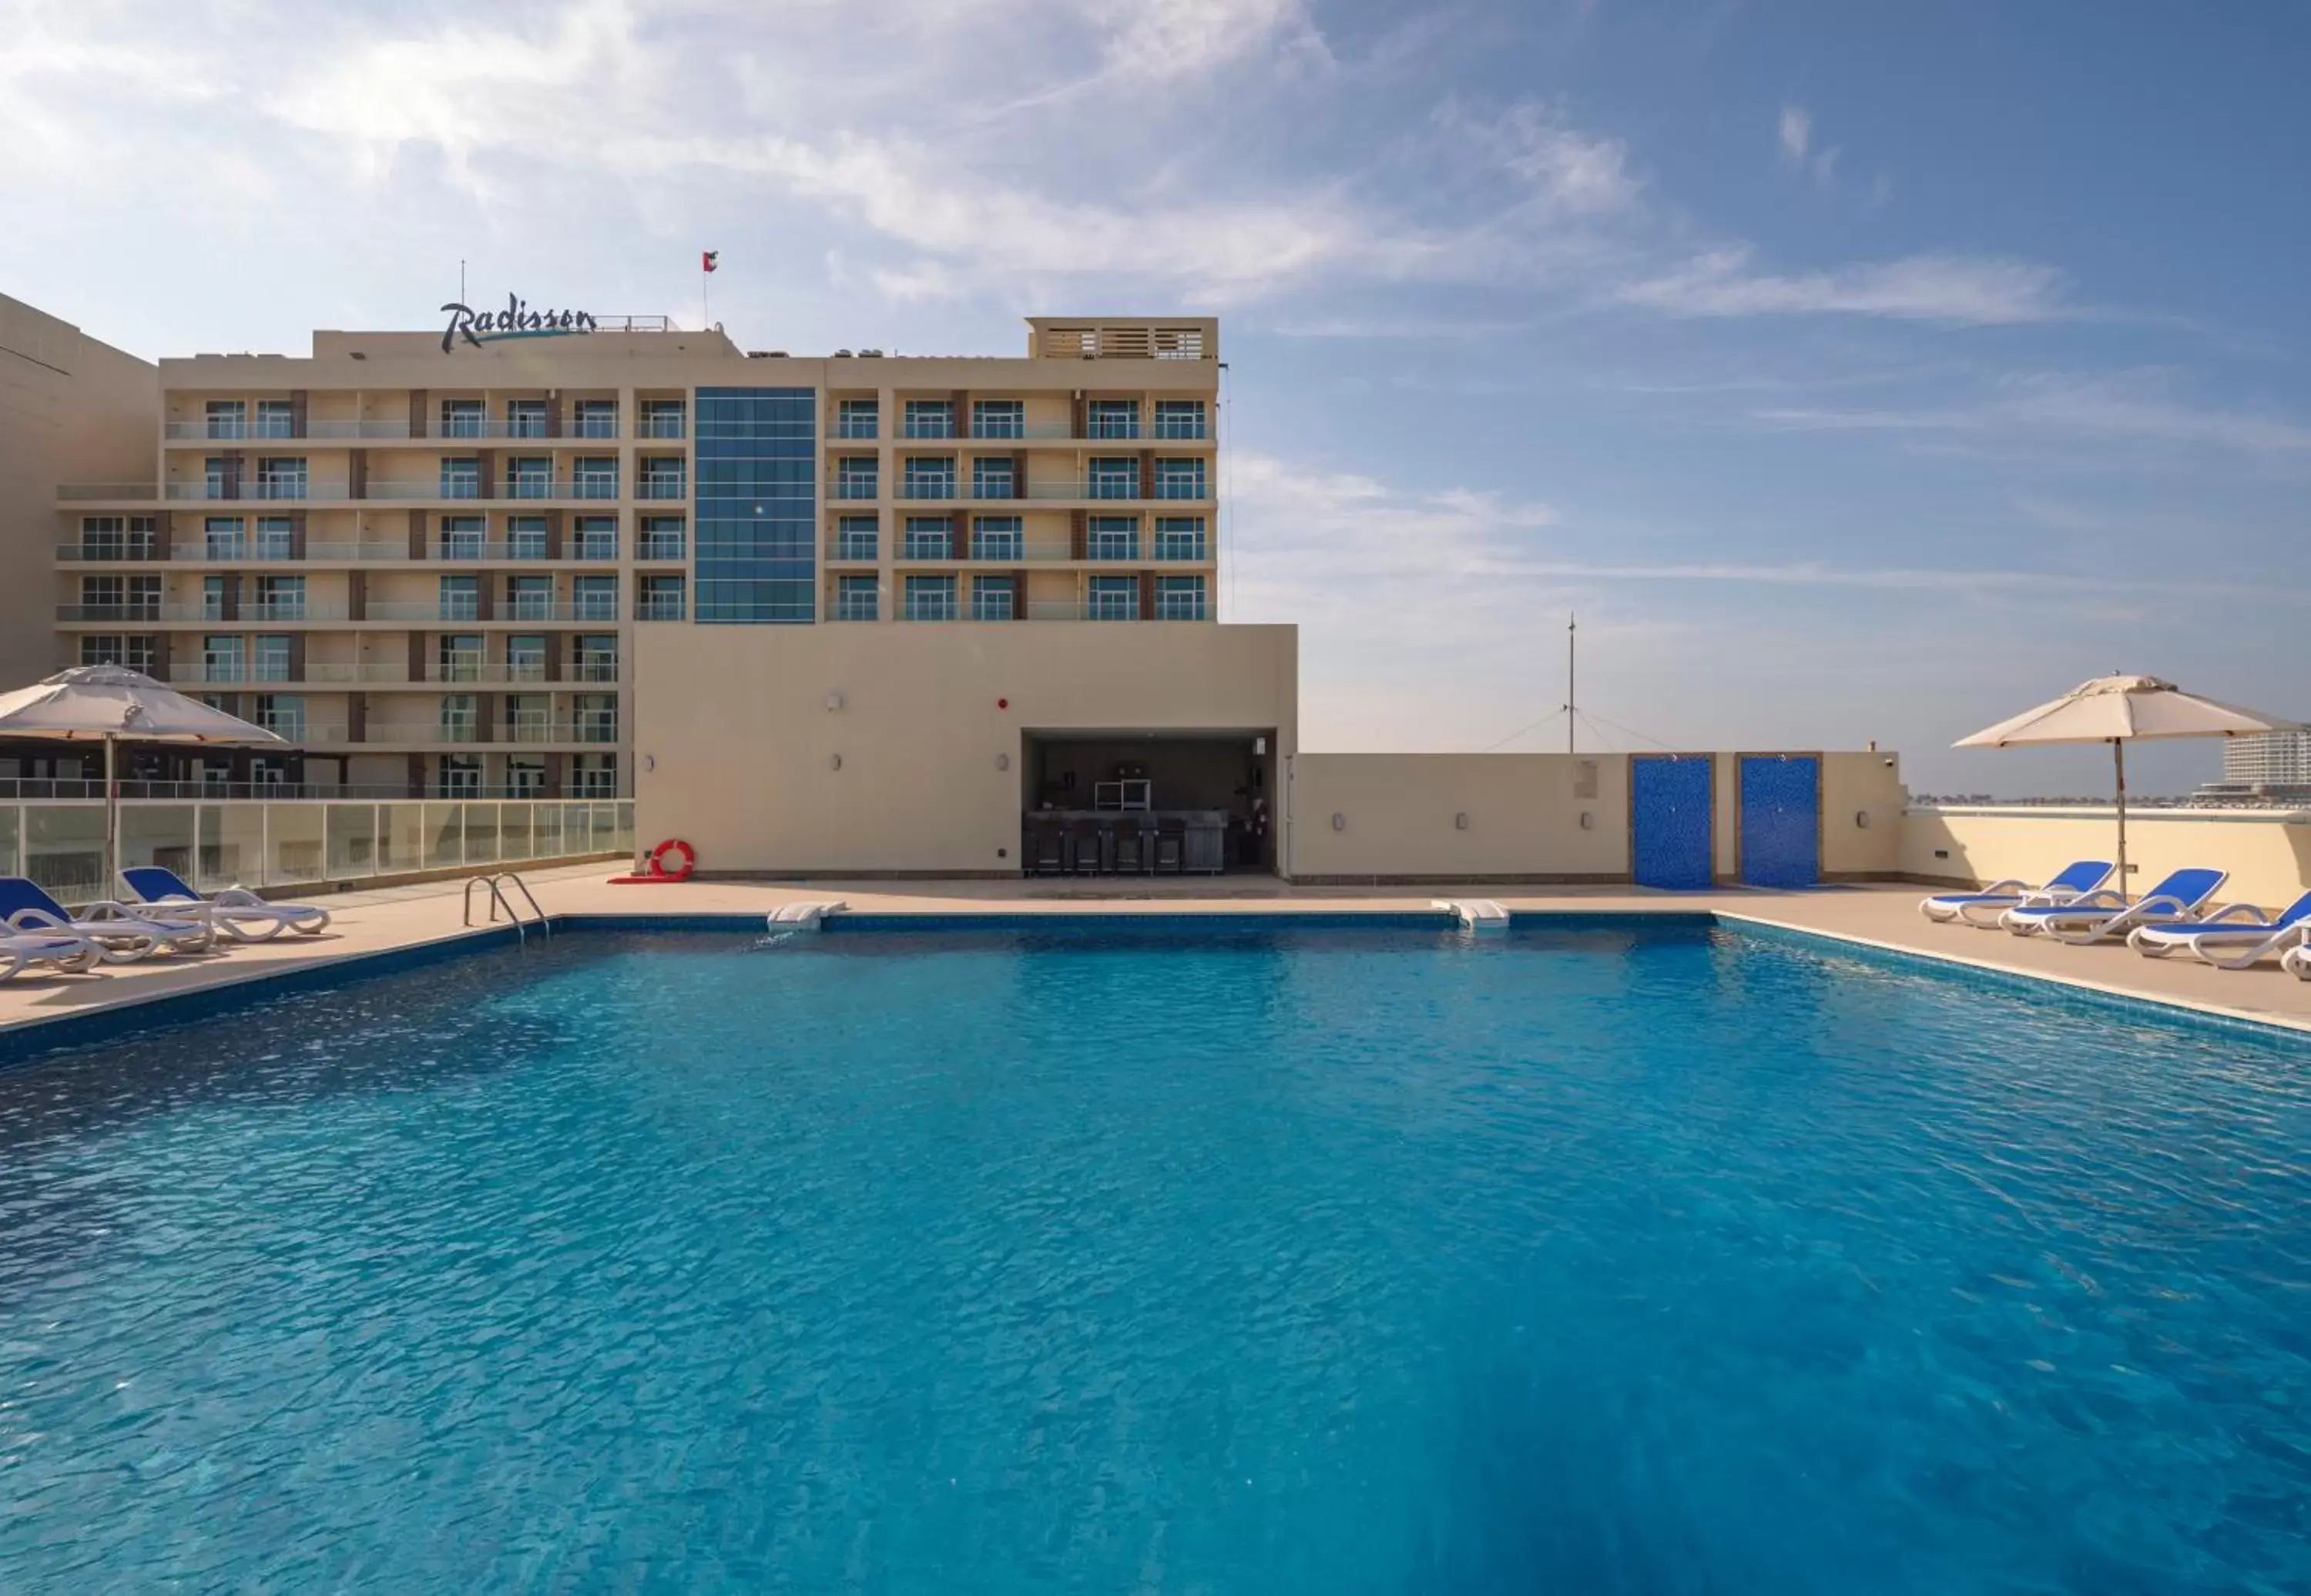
x=240, y=913
x=1982, y=909
x=20, y=950
x=121, y=932
x=2097, y=915
x=2230, y=938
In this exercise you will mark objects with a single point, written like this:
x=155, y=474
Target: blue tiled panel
x=1781, y=819
x=1669, y=841
x=757, y=543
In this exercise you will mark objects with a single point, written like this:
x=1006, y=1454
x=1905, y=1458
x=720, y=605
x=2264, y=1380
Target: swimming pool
x=1625, y=1260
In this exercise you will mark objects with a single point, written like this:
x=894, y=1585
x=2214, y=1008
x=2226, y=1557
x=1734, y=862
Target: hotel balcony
x=574, y=551
x=404, y=614
x=646, y=429
x=323, y=673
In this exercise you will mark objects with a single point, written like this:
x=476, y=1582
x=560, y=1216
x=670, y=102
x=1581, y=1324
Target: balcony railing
x=658, y=606
x=590, y=485
x=661, y=546
x=1096, y=490
x=250, y=552
x=1126, y=608
x=464, y=611
x=132, y=612
x=662, y=487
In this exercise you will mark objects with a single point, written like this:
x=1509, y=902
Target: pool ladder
x=499, y=900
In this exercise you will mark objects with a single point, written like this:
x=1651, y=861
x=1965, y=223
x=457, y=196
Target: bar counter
x=1203, y=833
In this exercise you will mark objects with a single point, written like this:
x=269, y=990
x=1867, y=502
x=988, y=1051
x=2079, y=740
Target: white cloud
x=1971, y=290
x=2138, y=407
x=1795, y=135
x=1166, y=40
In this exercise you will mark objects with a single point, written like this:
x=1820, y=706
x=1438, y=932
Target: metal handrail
x=498, y=900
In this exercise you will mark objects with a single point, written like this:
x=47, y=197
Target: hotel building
x=422, y=558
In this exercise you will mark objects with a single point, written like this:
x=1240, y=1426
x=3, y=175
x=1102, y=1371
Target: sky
x=1853, y=373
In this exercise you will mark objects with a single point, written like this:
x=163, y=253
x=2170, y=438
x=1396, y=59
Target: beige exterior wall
x=70, y=407
x=742, y=728
x=2267, y=853
x=1401, y=816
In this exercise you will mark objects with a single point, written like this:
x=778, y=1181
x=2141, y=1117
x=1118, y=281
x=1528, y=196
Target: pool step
x=1475, y=914
x=802, y=917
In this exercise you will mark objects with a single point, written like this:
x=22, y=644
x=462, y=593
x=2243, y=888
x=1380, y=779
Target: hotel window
x=594, y=477
x=276, y=537
x=220, y=478
x=1180, y=537
x=929, y=476
x=662, y=418
x=993, y=599
x=595, y=717
x=221, y=537
x=529, y=718
x=1114, y=478
x=664, y=477
x=997, y=537
x=529, y=598
x=462, y=418
x=1178, y=599
x=930, y=599
x=593, y=418
x=461, y=479
x=659, y=598
x=855, y=536
x=282, y=714
x=526, y=536
x=1180, y=419
x=135, y=597
x=855, y=598
x=461, y=537
x=1113, y=418
x=998, y=418
x=855, y=477
x=137, y=653
x=1111, y=537
x=929, y=538
x=116, y=537
x=460, y=719
x=227, y=418
x=530, y=476
x=458, y=656
x=280, y=598
x=594, y=656
x=526, y=657
x=594, y=538
x=593, y=775
x=525, y=418
x=269, y=658
x=930, y=418
x=595, y=598
x=458, y=775
x=662, y=537
x=994, y=479
x=461, y=597
x=221, y=659
x=213, y=599
x=276, y=418
x=281, y=477
x=856, y=418
x=1179, y=479
x=1113, y=598
x=525, y=777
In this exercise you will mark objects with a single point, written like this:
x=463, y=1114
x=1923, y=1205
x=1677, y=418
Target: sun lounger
x=2097, y=915
x=240, y=913
x=2231, y=939
x=121, y=932
x=20, y=950
x=1983, y=908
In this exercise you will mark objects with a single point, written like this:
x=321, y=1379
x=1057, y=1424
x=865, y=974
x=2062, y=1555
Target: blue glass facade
x=756, y=549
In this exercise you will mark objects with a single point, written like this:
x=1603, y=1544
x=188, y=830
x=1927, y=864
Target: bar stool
x=1130, y=848
x=1171, y=852
x=1089, y=838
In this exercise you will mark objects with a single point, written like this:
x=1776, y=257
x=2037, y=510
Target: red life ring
x=671, y=845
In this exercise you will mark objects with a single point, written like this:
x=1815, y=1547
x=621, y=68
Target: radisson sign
x=516, y=320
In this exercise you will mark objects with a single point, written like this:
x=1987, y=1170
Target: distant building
x=2274, y=768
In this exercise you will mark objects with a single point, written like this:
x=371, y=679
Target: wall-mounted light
x=835, y=763
x=649, y=762
x=1003, y=761
x=833, y=702
x=1461, y=821
x=1259, y=746
x=1340, y=822
x=1588, y=821
x=1862, y=819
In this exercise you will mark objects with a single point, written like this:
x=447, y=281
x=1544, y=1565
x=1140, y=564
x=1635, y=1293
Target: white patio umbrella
x=112, y=703
x=2120, y=710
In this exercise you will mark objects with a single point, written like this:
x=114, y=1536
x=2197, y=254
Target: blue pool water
x=1663, y=1261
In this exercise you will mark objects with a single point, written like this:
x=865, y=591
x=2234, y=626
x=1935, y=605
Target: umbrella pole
x=112, y=817
x=2118, y=761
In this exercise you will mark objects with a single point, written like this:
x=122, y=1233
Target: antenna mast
x=1571, y=623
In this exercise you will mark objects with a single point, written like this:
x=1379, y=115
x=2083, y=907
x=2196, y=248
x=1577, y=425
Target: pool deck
x=1881, y=917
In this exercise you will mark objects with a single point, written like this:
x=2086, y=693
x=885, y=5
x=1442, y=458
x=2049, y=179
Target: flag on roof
x=707, y=259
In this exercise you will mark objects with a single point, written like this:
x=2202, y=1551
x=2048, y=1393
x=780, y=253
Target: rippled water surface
x=1331, y=1261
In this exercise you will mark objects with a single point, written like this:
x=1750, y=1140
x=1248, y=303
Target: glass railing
x=327, y=837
